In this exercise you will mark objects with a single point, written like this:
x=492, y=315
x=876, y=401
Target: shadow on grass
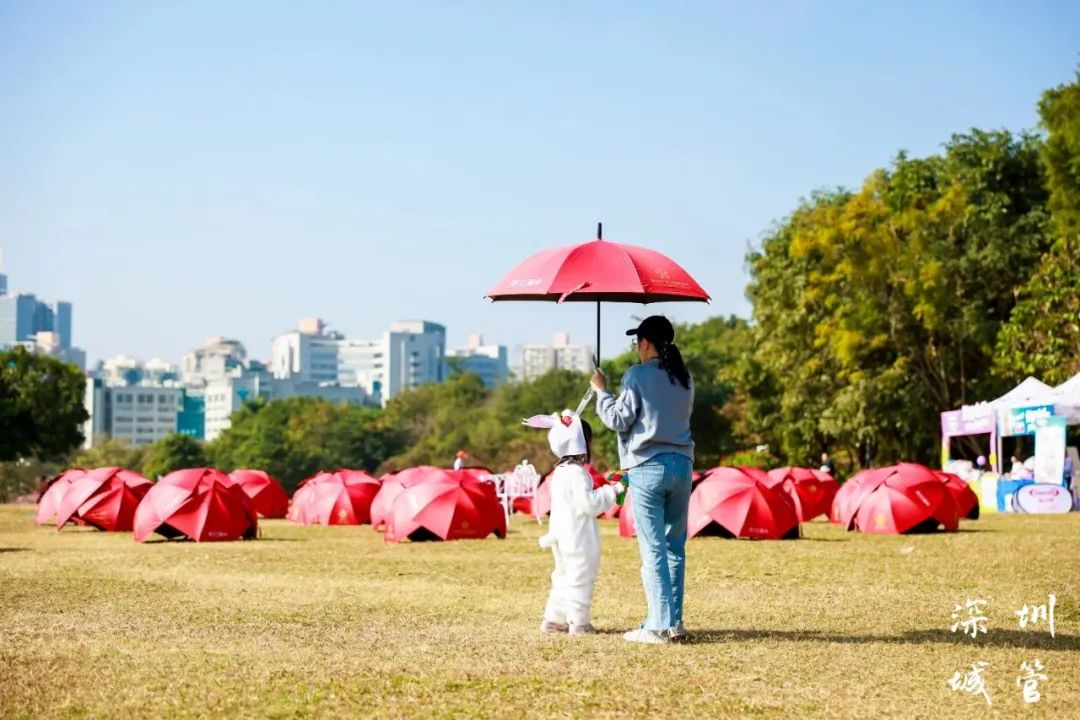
x=994, y=638
x=7, y=550
x=189, y=541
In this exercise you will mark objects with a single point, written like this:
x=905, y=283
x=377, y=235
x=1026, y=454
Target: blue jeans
x=661, y=487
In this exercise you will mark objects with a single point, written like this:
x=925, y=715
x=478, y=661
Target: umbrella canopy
x=453, y=507
x=542, y=500
x=394, y=483
x=200, y=503
x=104, y=498
x=340, y=497
x=812, y=490
x=598, y=271
x=267, y=495
x=842, y=512
x=900, y=498
x=738, y=502
x=967, y=501
x=50, y=501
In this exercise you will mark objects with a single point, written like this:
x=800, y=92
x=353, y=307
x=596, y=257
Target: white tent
x=1067, y=399
x=1030, y=392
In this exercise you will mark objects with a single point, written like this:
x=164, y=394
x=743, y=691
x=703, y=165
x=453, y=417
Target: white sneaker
x=549, y=627
x=677, y=633
x=649, y=637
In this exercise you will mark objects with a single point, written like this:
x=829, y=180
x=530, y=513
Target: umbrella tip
x=599, y=231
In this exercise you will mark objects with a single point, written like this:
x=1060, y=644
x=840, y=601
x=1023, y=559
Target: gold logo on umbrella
x=812, y=488
x=464, y=525
x=342, y=514
x=879, y=520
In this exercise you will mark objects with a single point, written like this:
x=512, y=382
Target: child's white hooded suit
x=572, y=534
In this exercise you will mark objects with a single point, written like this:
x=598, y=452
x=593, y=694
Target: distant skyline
x=184, y=170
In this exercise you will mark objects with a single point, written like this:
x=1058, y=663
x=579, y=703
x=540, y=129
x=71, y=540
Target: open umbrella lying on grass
x=394, y=483
x=811, y=490
x=340, y=497
x=451, y=507
x=50, y=500
x=267, y=495
x=967, y=501
x=738, y=502
x=200, y=503
x=105, y=498
x=898, y=499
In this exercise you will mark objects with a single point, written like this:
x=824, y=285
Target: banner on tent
x=1023, y=420
x=969, y=420
x=1050, y=450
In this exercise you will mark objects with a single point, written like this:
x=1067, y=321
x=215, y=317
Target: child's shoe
x=550, y=627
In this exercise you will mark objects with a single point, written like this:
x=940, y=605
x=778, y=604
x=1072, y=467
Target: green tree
x=41, y=406
x=1042, y=336
x=173, y=452
x=293, y=438
x=878, y=309
x=113, y=452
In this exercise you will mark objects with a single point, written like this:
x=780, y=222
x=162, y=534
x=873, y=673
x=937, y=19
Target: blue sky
x=185, y=169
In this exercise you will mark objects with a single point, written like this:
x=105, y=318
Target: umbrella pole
x=597, y=332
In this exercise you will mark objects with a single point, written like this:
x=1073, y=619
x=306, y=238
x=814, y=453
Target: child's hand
x=619, y=487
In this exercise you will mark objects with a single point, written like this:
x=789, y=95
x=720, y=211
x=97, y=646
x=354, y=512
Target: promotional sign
x=1050, y=450
x=1042, y=498
x=1024, y=420
x=969, y=420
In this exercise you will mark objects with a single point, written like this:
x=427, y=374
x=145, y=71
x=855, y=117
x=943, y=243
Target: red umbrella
x=341, y=497
x=104, y=498
x=394, y=483
x=625, y=513
x=267, y=496
x=845, y=502
x=902, y=498
x=449, y=508
x=542, y=500
x=597, y=271
x=50, y=501
x=812, y=490
x=738, y=502
x=201, y=503
x=967, y=502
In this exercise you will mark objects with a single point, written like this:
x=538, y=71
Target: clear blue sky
x=192, y=168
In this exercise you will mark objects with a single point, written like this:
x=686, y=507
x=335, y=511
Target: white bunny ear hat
x=565, y=435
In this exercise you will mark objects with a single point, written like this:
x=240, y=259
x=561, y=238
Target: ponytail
x=672, y=361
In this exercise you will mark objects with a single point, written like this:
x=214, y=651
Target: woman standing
x=652, y=418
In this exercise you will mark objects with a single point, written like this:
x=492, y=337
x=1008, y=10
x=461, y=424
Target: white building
x=139, y=414
x=539, y=359
x=124, y=371
x=219, y=358
x=410, y=354
x=488, y=361
x=227, y=395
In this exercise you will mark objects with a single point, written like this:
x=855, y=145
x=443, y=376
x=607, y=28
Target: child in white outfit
x=573, y=535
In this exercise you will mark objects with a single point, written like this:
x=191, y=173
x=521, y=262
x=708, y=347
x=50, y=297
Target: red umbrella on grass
x=50, y=501
x=202, y=504
x=340, y=497
x=105, y=498
x=896, y=499
x=811, y=490
x=267, y=495
x=967, y=501
x=394, y=483
x=738, y=502
x=447, y=508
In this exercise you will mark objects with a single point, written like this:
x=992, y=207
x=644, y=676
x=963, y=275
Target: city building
x=124, y=371
x=560, y=354
x=140, y=415
x=410, y=354
x=218, y=358
x=37, y=326
x=488, y=361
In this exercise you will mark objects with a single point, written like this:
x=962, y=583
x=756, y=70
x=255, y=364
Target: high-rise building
x=410, y=354
x=539, y=359
x=488, y=361
x=24, y=320
x=140, y=414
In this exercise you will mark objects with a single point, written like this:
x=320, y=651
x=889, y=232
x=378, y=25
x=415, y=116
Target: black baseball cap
x=656, y=329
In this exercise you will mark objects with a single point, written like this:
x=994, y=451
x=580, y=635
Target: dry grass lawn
x=331, y=622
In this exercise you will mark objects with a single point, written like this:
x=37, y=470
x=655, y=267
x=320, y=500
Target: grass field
x=331, y=622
